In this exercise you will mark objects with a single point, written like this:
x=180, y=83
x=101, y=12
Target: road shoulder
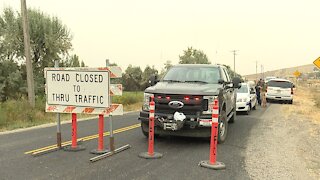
x=277, y=148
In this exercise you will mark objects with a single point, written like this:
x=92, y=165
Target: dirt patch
x=278, y=148
x=306, y=104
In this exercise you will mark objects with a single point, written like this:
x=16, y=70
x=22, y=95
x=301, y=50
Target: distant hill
x=283, y=73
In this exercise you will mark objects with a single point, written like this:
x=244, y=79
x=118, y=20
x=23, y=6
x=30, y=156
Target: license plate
x=206, y=123
x=170, y=126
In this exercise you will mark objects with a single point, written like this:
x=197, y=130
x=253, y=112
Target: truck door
x=229, y=92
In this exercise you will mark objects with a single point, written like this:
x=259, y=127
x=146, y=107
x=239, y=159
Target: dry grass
x=133, y=107
x=18, y=114
x=306, y=103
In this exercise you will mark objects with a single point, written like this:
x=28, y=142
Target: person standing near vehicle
x=258, y=87
x=263, y=91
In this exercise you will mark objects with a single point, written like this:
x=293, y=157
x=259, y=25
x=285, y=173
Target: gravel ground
x=280, y=148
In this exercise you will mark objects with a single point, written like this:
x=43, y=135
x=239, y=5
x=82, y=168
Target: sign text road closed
x=79, y=87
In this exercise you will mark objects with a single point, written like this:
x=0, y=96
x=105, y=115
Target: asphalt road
x=180, y=155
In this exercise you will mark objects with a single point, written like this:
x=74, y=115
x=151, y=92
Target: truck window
x=223, y=75
x=227, y=75
x=209, y=75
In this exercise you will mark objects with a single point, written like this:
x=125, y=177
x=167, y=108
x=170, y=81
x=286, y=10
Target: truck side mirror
x=153, y=80
x=236, y=82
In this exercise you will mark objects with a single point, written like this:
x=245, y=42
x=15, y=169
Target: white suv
x=280, y=90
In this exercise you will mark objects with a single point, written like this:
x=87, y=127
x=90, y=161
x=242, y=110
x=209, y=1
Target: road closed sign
x=79, y=87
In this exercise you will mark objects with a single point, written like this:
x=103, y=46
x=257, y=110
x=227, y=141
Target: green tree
x=131, y=79
x=10, y=43
x=167, y=66
x=72, y=61
x=193, y=56
x=232, y=74
x=148, y=71
x=50, y=40
x=12, y=85
x=82, y=64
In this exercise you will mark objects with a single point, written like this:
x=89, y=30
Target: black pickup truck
x=183, y=99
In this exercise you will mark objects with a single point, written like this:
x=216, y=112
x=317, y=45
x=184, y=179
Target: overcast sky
x=276, y=33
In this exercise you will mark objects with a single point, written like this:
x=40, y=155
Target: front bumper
x=243, y=106
x=193, y=125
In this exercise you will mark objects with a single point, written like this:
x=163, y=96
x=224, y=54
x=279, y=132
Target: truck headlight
x=242, y=99
x=210, y=100
x=146, y=101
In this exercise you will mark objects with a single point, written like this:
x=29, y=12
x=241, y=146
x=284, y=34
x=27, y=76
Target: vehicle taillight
x=168, y=97
x=197, y=98
x=292, y=91
x=187, y=98
x=159, y=97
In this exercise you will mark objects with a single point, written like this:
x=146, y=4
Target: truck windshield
x=243, y=89
x=209, y=75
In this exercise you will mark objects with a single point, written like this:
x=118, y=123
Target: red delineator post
x=101, y=149
x=214, y=132
x=151, y=154
x=212, y=163
x=101, y=127
x=151, y=127
x=74, y=130
x=74, y=146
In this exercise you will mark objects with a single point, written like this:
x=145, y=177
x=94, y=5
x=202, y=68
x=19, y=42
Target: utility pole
x=256, y=70
x=30, y=80
x=234, y=61
x=262, y=72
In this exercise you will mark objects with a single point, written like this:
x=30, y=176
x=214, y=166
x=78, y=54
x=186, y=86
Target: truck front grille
x=192, y=104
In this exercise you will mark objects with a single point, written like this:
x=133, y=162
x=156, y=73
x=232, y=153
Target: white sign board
x=77, y=87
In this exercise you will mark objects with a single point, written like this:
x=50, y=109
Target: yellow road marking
x=87, y=138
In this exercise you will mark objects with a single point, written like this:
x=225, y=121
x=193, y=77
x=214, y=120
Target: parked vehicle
x=268, y=78
x=183, y=101
x=280, y=90
x=246, y=98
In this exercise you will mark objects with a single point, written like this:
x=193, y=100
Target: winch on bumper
x=178, y=124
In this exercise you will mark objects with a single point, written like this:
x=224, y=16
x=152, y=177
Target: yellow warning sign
x=317, y=62
x=297, y=73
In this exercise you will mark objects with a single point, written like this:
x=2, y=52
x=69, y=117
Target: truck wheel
x=222, y=127
x=231, y=120
x=249, y=109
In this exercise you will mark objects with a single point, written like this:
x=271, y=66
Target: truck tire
x=249, y=109
x=222, y=127
x=233, y=118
